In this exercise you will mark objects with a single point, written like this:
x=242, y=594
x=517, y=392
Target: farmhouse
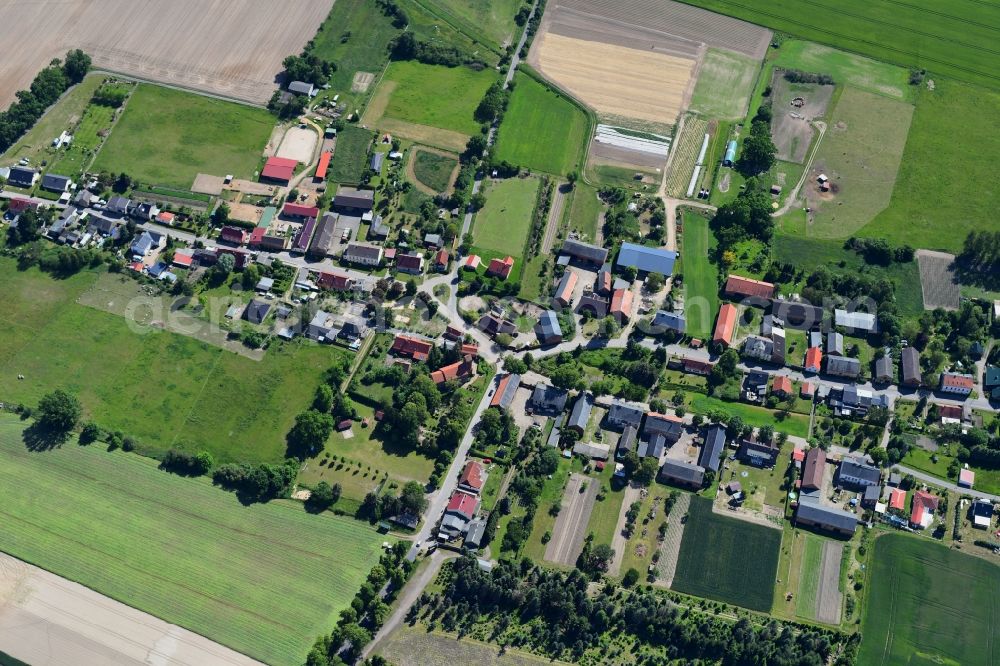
x=647, y=259
x=800, y=316
x=471, y=262
x=624, y=413
x=301, y=241
x=627, y=441
x=473, y=478
x=594, y=303
x=713, y=447
x=548, y=399
x=758, y=348
x=22, y=177
x=922, y=508
x=812, y=470
x=910, y=359
x=363, y=254
x=670, y=321
x=781, y=386
x=842, y=366
x=55, y=183
x=548, y=330
x=621, y=305
x=458, y=370
x=410, y=263
x=493, y=323
x=299, y=212
x=857, y=475
x=233, y=235
x=757, y=453
x=957, y=384
x=682, y=473
x=825, y=518
x=584, y=252
x=278, y=170
x=412, y=347
x=322, y=240
x=564, y=292
x=897, y=499
x=725, y=325
x=506, y=388
x=441, y=261
x=696, y=367
x=742, y=287
x=966, y=478
x=580, y=415
x=352, y=200
x=500, y=268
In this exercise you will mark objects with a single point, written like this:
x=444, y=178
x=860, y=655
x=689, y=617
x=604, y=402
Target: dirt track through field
x=618, y=541
x=45, y=619
x=571, y=524
x=232, y=48
x=828, y=595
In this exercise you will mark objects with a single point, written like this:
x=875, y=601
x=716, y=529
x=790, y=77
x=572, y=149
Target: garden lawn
x=946, y=164
x=164, y=389
x=928, y=604
x=956, y=39
x=701, y=277
x=264, y=580
x=504, y=222
x=796, y=425
x=725, y=80
x=167, y=137
x=435, y=95
x=72, y=161
x=585, y=211
x=809, y=576
x=552, y=492
x=727, y=559
x=350, y=156
x=542, y=130
x=433, y=170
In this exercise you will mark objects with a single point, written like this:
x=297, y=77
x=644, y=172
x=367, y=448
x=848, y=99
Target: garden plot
x=937, y=280
x=623, y=147
x=232, y=49
x=571, y=525
x=828, y=596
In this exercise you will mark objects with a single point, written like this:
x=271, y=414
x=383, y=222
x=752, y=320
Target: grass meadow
x=701, y=276
x=436, y=96
x=796, y=425
x=433, y=170
x=845, y=68
x=542, y=129
x=356, y=36
x=725, y=81
x=861, y=153
x=164, y=389
x=350, y=156
x=946, y=171
x=584, y=211
x=503, y=224
x=86, y=139
x=955, y=39
x=167, y=136
x=264, y=580
x=727, y=559
x=928, y=604
x=492, y=21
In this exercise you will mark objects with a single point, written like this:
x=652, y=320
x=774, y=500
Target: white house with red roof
x=922, y=509
x=473, y=477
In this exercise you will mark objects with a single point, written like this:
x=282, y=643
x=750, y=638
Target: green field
x=845, y=68
x=36, y=144
x=433, y=170
x=350, y=156
x=929, y=605
x=434, y=95
x=163, y=389
x=725, y=81
x=491, y=20
x=956, y=38
x=809, y=575
x=584, y=211
x=503, y=224
x=542, y=130
x=861, y=153
x=167, y=137
x=86, y=139
x=727, y=559
x=355, y=35
x=796, y=425
x=701, y=276
x=264, y=579
x=945, y=165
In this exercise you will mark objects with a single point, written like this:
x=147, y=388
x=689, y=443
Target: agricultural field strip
x=571, y=523
x=207, y=46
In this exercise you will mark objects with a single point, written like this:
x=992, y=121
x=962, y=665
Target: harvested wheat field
x=616, y=80
x=226, y=47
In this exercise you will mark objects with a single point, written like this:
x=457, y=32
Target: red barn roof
x=742, y=286
x=950, y=412
x=298, y=210
x=725, y=326
x=441, y=258
x=497, y=400
x=472, y=262
x=469, y=349
x=472, y=476
x=501, y=267
x=413, y=347
x=336, y=281
x=324, y=164
x=621, y=302
x=463, y=504
x=957, y=381
x=279, y=168
x=814, y=358
x=456, y=370
x=897, y=498
x=256, y=235
x=923, y=503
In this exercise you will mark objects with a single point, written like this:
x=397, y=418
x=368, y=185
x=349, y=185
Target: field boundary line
x=175, y=86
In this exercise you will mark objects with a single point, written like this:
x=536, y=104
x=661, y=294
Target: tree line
x=48, y=86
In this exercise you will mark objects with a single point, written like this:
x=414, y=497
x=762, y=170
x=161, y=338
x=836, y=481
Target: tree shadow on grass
x=38, y=437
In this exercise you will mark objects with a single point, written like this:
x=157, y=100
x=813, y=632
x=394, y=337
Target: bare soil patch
x=232, y=48
x=671, y=546
x=208, y=184
x=245, y=212
x=937, y=280
x=828, y=596
x=362, y=81
x=298, y=144
x=795, y=106
x=571, y=524
x=45, y=619
x=604, y=153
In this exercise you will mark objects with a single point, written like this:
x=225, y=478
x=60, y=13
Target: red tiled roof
x=566, y=294
x=501, y=267
x=453, y=332
x=469, y=349
x=922, y=502
x=501, y=389
x=166, y=217
x=725, y=326
x=453, y=371
x=256, y=235
x=472, y=262
x=463, y=503
x=897, y=499
x=183, y=260
x=233, y=235
x=742, y=286
x=324, y=164
x=441, y=258
x=414, y=347
x=18, y=205
x=472, y=475
x=604, y=281
x=298, y=210
x=781, y=384
x=621, y=302
x=279, y=168
x=335, y=281
x=814, y=357
x=950, y=411
x=798, y=455
x=664, y=417
x=957, y=381
x=966, y=477
x=807, y=388
x=697, y=367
